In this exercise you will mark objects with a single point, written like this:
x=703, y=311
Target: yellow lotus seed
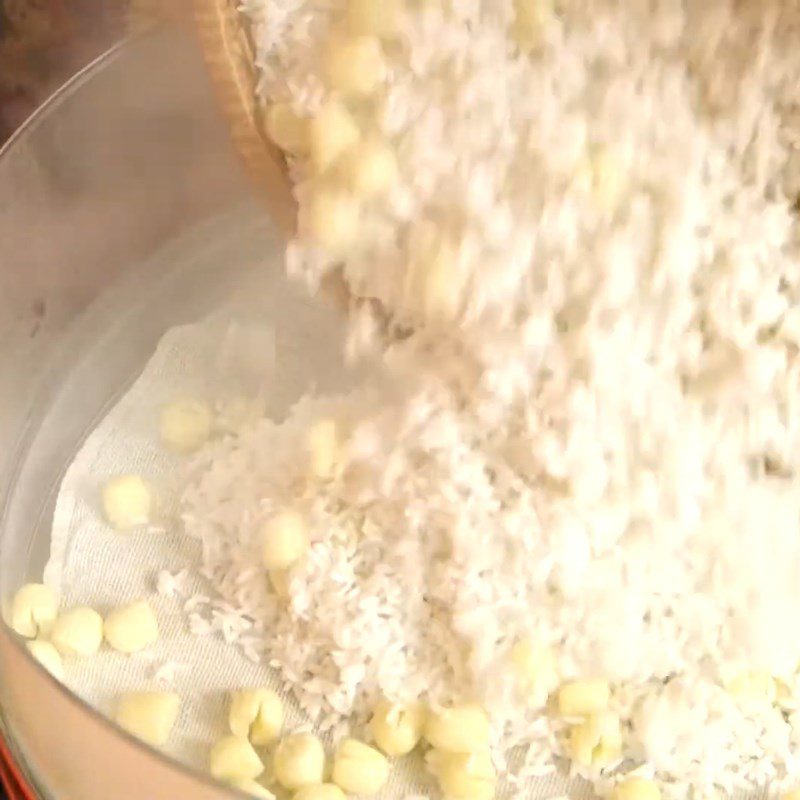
x=370, y=168
x=289, y=131
x=359, y=768
x=466, y=776
x=324, y=791
x=530, y=22
x=252, y=788
x=78, y=632
x=33, y=610
x=334, y=218
x=284, y=538
x=459, y=729
x=185, y=425
x=535, y=668
x=752, y=687
x=332, y=133
x=433, y=277
x=597, y=740
x=131, y=628
x=397, y=729
x=256, y=714
x=374, y=17
x=47, y=655
x=323, y=448
x=233, y=758
x=127, y=502
x=354, y=65
x=636, y=789
x=280, y=581
x=580, y=698
x=607, y=177
x=299, y=761
x=150, y=716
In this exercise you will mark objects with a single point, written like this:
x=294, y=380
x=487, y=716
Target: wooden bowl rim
x=226, y=42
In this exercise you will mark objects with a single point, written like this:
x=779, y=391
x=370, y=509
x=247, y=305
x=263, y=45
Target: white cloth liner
x=286, y=348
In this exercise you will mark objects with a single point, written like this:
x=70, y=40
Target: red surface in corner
x=11, y=778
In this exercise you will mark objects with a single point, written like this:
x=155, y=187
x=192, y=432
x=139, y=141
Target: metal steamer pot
x=114, y=168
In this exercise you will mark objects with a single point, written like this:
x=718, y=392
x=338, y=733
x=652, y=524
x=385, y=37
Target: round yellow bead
x=359, y=768
x=299, y=761
x=458, y=729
